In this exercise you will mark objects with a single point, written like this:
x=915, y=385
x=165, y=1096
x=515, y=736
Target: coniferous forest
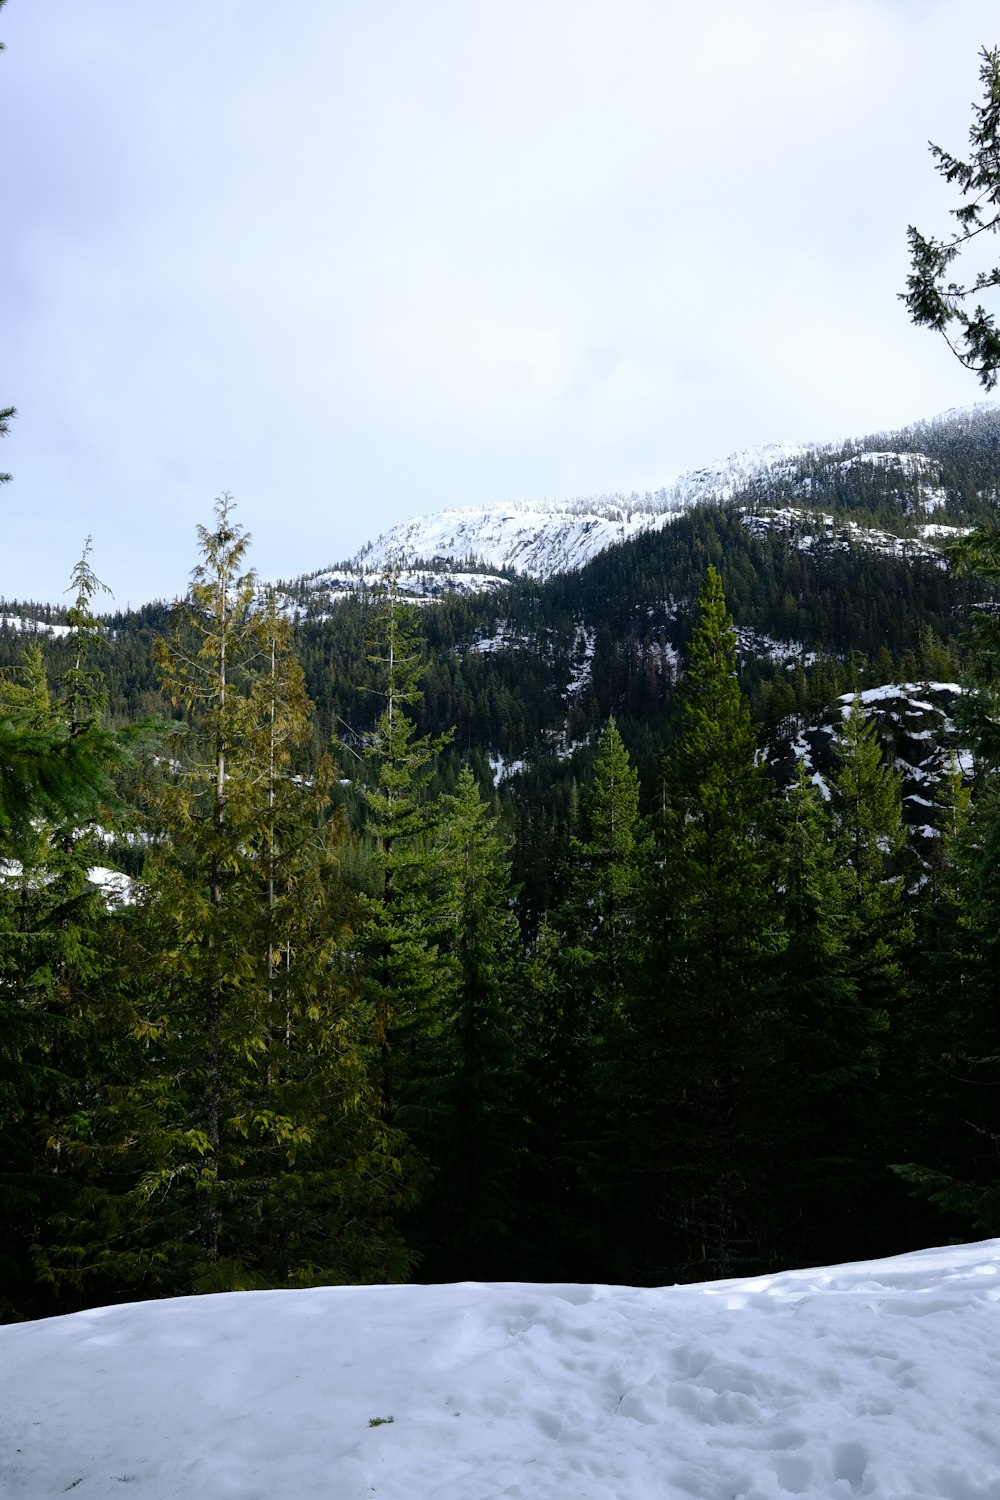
x=358, y=1007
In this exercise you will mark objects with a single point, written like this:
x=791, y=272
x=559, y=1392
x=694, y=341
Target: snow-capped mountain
x=544, y=537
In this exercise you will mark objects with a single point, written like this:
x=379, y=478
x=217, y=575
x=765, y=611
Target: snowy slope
x=880, y=1379
x=23, y=625
x=545, y=537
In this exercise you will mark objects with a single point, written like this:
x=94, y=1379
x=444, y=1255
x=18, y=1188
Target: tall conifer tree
x=256, y=1154
x=710, y=1036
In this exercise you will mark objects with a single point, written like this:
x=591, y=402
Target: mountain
x=905, y=480
x=541, y=621
x=479, y=548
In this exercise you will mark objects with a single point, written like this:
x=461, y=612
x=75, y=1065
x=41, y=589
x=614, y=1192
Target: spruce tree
x=833, y=1039
x=56, y=960
x=470, y=1128
x=411, y=977
x=250, y=1133
x=583, y=1066
x=871, y=834
x=709, y=1035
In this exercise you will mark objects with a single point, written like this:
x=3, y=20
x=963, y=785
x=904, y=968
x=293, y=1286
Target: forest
x=351, y=1012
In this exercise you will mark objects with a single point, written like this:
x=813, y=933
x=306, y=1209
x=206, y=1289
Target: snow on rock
x=915, y=726
x=808, y=530
x=879, y=1379
x=754, y=643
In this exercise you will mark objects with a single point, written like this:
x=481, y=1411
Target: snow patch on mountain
x=25, y=626
x=543, y=537
x=918, y=737
x=814, y=529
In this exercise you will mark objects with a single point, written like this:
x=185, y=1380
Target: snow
x=878, y=1379
x=503, y=769
x=948, y=532
x=915, y=691
x=33, y=627
x=815, y=529
x=756, y=644
x=542, y=537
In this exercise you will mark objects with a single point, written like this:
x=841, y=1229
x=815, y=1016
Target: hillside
x=541, y=621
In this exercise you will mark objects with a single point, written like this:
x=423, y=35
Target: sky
x=878, y=1379
x=356, y=260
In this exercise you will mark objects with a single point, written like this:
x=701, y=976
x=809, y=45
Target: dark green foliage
x=586, y=966
x=469, y=1124
x=321, y=1030
x=7, y=413
x=246, y=1149
x=57, y=955
x=957, y=1026
x=408, y=975
x=709, y=1036
x=932, y=300
x=833, y=1041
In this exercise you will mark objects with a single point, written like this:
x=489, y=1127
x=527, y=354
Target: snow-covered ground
x=33, y=627
x=880, y=1379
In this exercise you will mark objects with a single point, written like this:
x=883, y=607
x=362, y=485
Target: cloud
x=351, y=260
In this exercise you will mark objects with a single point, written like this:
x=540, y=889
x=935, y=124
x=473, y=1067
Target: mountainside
x=480, y=547
x=564, y=942
x=916, y=485
x=541, y=621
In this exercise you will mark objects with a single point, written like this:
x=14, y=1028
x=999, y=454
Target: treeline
x=312, y=1041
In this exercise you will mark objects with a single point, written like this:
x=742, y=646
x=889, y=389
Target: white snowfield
x=874, y=1379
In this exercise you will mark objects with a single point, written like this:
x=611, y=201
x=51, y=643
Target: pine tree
x=602, y=932
x=709, y=1034
x=947, y=305
x=868, y=816
x=56, y=959
x=833, y=1040
x=471, y=1125
x=608, y=873
x=870, y=838
x=251, y=1132
x=411, y=978
x=953, y=1163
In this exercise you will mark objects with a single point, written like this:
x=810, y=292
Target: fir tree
x=710, y=1038
x=868, y=819
x=833, y=1040
x=255, y=1150
x=597, y=961
x=411, y=978
x=471, y=1123
x=56, y=961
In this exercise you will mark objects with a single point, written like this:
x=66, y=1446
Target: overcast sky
x=357, y=259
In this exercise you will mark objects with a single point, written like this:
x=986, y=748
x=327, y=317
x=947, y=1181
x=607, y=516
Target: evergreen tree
x=472, y=1123
x=870, y=838
x=833, y=1040
x=56, y=961
x=411, y=977
x=709, y=1035
x=601, y=929
x=608, y=874
x=871, y=834
x=251, y=1135
x=947, y=306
